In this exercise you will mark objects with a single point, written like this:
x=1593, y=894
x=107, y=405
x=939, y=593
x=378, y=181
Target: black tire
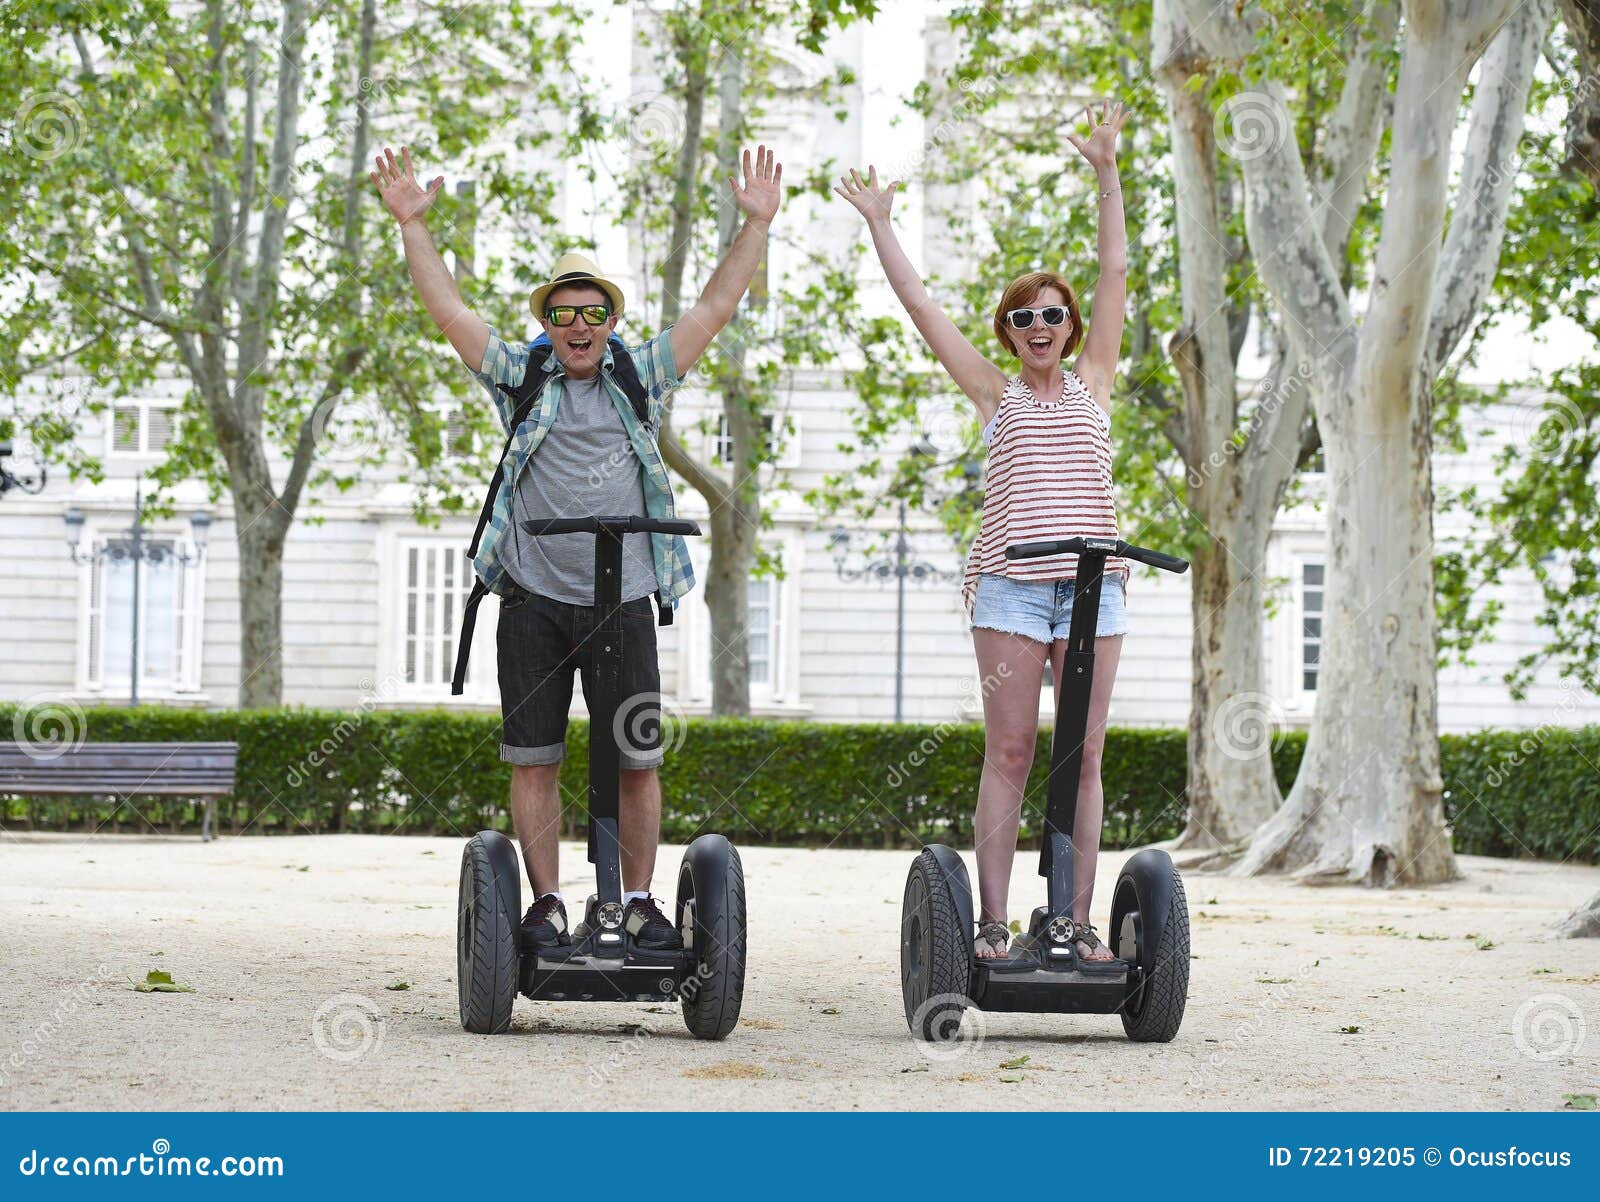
x=711, y=915
x=1154, y=1010
x=935, y=953
x=487, y=927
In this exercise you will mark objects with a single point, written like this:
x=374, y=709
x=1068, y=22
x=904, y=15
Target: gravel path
x=1301, y=998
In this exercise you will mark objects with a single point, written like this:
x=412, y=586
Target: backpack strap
x=523, y=398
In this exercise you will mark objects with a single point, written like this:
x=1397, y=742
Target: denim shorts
x=1042, y=609
x=542, y=643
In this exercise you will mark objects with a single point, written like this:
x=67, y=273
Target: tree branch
x=1340, y=182
x=1471, y=254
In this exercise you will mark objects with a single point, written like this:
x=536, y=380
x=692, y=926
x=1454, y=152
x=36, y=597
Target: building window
x=436, y=578
x=785, y=455
x=141, y=427
x=167, y=621
x=763, y=629
x=1311, y=595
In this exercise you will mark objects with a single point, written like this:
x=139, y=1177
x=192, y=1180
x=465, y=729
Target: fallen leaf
x=398, y=985
x=1012, y=1078
x=1579, y=1101
x=915, y=1068
x=1018, y=1062
x=1485, y=945
x=1350, y=1030
x=156, y=981
x=832, y=1010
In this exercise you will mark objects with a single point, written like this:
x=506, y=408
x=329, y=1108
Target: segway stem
x=605, y=759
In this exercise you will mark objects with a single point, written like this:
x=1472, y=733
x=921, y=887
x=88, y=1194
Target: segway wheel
x=711, y=918
x=935, y=952
x=1150, y=923
x=487, y=924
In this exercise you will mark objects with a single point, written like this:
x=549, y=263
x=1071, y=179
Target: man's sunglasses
x=565, y=315
x=1021, y=319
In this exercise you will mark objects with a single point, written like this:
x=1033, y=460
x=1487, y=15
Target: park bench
x=123, y=771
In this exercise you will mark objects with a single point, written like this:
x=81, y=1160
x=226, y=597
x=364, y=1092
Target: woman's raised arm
x=975, y=375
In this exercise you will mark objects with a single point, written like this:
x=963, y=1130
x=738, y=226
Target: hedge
x=799, y=783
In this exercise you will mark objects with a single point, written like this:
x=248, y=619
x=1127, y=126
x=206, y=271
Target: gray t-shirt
x=585, y=467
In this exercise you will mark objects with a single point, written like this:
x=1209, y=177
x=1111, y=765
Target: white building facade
x=372, y=599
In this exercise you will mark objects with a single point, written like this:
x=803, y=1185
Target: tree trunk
x=728, y=600
x=263, y=528
x=1231, y=786
x=1367, y=805
x=1582, y=923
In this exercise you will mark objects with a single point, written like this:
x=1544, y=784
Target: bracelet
x=1108, y=194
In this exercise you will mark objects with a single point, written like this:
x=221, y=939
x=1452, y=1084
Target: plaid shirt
x=658, y=373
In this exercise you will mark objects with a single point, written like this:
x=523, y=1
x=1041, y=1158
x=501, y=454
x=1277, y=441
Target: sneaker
x=545, y=923
x=649, y=927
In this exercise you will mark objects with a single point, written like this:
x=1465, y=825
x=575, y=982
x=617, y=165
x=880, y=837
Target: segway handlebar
x=1110, y=546
x=617, y=525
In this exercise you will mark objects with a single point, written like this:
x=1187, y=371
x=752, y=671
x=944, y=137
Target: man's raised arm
x=409, y=204
x=758, y=201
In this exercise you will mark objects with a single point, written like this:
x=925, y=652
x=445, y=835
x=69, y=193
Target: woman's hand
x=1100, y=147
x=397, y=184
x=871, y=199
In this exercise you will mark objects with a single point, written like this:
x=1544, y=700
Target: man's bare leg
x=639, y=826
x=536, y=814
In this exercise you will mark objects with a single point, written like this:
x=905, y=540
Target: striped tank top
x=1049, y=476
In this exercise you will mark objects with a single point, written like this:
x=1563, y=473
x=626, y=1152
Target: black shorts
x=540, y=643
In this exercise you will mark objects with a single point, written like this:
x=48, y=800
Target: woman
x=1049, y=476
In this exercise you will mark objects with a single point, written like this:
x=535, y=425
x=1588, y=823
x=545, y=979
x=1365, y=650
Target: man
x=581, y=450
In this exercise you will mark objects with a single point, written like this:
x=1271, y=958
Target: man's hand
x=763, y=187
x=758, y=201
x=397, y=184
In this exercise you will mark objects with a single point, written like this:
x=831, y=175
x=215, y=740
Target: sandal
x=995, y=934
x=1084, y=933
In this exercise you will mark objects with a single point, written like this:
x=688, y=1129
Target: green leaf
x=915, y=1068
x=1352, y=1029
x=1018, y=1062
x=832, y=1010
x=1579, y=1101
x=399, y=985
x=156, y=981
x=1012, y=1078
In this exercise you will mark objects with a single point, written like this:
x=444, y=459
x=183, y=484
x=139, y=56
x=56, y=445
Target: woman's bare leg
x=1011, y=671
x=1091, y=795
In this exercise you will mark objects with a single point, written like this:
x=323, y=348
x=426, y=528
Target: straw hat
x=573, y=268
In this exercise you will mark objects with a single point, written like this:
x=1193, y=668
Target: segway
x=1148, y=981
x=602, y=964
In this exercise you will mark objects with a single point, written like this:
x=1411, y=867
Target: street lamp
x=134, y=550
x=899, y=567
